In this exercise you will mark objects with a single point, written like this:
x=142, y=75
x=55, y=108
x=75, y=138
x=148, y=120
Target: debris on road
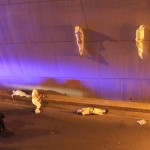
x=141, y=122
x=91, y=110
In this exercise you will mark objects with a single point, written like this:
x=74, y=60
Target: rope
x=140, y=12
x=84, y=13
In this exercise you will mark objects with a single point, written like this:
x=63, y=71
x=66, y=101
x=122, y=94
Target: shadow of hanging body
x=94, y=45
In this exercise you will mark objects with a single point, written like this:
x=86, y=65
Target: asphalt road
x=58, y=127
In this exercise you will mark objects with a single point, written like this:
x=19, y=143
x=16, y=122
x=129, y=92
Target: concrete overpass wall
x=38, y=47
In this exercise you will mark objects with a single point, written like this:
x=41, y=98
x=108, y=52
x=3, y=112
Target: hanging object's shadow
x=94, y=45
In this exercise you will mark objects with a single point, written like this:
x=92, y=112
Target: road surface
x=58, y=127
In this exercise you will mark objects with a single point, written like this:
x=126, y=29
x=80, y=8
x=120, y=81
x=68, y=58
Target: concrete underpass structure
x=38, y=48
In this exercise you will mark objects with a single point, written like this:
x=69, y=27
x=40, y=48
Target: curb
x=114, y=104
x=101, y=102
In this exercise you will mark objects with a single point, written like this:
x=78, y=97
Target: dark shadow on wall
x=78, y=85
x=75, y=87
x=94, y=45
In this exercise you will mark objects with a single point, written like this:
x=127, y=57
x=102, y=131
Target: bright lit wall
x=38, y=47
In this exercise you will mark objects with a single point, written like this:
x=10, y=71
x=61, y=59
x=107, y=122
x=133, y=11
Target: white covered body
x=36, y=101
x=91, y=110
x=19, y=93
x=139, y=40
x=79, y=39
